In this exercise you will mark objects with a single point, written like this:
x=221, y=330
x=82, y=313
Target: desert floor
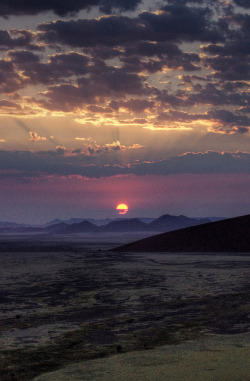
x=70, y=310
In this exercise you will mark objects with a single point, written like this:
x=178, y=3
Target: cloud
x=136, y=146
x=229, y=68
x=134, y=105
x=8, y=105
x=62, y=8
x=106, y=82
x=110, y=31
x=230, y=60
x=229, y=122
x=58, y=67
x=242, y=3
x=171, y=23
x=85, y=139
x=146, y=69
x=92, y=148
x=221, y=121
x=10, y=81
x=35, y=164
x=18, y=38
x=208, y=162
x=34, y=137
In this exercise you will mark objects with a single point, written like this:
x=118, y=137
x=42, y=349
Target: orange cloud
x=34, y=137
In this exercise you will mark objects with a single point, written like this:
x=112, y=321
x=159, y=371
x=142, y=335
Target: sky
x=124, y=101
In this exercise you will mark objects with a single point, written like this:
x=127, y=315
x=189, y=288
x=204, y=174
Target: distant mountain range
x=6, y=224
x=164, y=223
x=94, y=221
x=230, y=235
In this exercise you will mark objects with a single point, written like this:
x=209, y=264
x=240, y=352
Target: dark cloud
x=222, y=121
x=179, y=22
x=184, y=2
x=234, y=48
x=179, y=116
x=9, y=105
x=18, y=39
x=230, y=60
x=107, y=6
x=100, y=110
x=109, y=31
x=58, y=67
x=128, y=63
x=172, y=23
x=62, y=7
x=243, y=3
x=232, y=86
x=229, y=68
x=177, y=99
x=208, y=162
x=218, y=95
x=213, y=94
x=102, y=84
x=10, y=81
x=230, y=122
x=27, y=163
x=161, y=54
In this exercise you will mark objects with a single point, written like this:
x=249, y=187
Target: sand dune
x=231, y=235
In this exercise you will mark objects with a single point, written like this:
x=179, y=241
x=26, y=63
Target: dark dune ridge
x=230, y=235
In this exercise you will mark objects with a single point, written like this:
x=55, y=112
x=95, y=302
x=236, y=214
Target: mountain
x=230, y=235
x=167, y=223
x=94, y=221
x=146, y=220
x=63, y=228
x=128, y=225
x=21, y=230
x=54, y=222
x=6, y=224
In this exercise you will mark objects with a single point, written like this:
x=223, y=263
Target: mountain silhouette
x=164, y=223
x=62, y=228
x=128, y=225
x=167, y=223
x=230, y=235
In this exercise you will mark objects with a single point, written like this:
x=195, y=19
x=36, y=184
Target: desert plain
x=71, y=310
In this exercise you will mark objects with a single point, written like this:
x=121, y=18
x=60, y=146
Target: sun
x=122, y=208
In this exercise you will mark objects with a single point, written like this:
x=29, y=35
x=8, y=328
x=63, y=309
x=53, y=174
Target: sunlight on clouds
x=173, y=128
x=34, y=137
x=85, y=139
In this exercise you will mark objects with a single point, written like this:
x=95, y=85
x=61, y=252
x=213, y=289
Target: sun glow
x=122, y=208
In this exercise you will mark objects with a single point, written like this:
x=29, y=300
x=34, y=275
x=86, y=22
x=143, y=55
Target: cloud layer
x=25, y=165
x=174, y=66
x=62, y=8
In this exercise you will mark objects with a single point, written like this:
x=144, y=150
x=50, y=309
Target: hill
x=128, y=225
x=62, y=228
x=230, y=235
x=164, y=223
x=168, y=223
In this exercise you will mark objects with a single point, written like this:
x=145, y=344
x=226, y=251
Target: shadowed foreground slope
x=231, y=235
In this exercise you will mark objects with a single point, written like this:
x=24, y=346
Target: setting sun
x=122, y=208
